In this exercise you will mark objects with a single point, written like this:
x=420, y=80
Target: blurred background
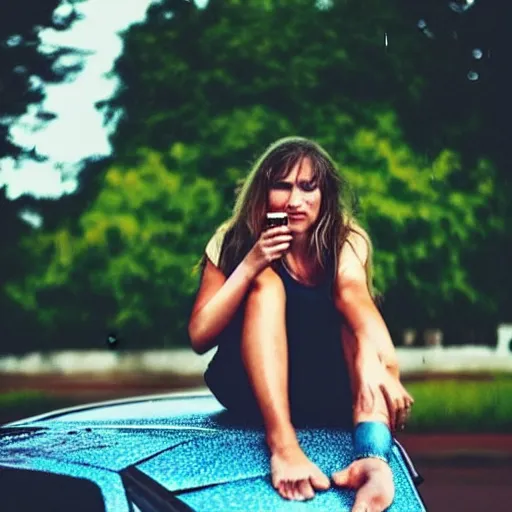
x=125, y=128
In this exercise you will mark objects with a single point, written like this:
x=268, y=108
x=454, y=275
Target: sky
x=78, y=131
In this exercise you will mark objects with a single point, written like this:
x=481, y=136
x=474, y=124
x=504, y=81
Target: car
x=166, y=453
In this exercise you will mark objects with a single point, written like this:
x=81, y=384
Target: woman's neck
x=299, y=262
x=299, y=247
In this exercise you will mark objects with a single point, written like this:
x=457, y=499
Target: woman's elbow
x=198, y=348
x=197, y=341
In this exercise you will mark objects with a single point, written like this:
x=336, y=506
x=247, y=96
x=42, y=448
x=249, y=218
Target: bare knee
x=269, y=288
x=264, y=317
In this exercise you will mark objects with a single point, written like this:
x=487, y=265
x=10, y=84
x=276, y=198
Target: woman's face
x=298, y=195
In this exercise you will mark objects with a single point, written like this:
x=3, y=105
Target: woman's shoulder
x=214, y=246
x=357, y=243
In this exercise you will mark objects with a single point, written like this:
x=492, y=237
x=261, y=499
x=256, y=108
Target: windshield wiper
x=148, y=495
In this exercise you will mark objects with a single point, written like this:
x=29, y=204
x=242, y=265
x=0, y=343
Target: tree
x=234, y=77
x=423, y=225
x=25, y=68
x=203, y=91
x=127, y=265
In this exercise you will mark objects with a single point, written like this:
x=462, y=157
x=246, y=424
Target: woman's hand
x=272, y=245
x=399, y=401
x=374, y=377
x=372, y=480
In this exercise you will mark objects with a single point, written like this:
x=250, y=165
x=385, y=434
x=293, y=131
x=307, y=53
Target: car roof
x=186, y=444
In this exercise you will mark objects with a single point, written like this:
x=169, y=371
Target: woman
x=291, y=311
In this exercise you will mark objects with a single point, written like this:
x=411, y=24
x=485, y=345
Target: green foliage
x=24, y=72
x=256, y=73
x=128, y=264
x=16, y=398
x=203, y=92
x=421, y=224
x=259, y=72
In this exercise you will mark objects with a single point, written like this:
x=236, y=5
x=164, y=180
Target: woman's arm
x=217, y=301
x=353, y=300
x=371, y=344
x=219, y=298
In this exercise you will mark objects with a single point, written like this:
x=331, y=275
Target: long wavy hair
x=335, y=220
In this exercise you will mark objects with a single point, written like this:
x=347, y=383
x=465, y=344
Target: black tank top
x=316, y=360
x=317, y=368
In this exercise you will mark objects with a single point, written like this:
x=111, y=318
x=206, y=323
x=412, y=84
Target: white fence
x=454, y=359
x=176, y=361
x=187, y=363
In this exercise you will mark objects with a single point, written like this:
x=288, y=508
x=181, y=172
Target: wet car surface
x=176, y=452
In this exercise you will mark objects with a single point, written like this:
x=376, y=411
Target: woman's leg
x=265, y=357
x=372, y=478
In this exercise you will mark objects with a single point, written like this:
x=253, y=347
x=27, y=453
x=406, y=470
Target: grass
x=462, y=405
x=15, y=398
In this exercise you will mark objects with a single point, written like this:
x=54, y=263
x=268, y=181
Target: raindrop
x=422, y=24
x=477, y=53
x=386, y=39
x=473, y=76
x=461, y=6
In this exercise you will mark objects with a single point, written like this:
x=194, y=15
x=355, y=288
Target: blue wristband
x=372, y=439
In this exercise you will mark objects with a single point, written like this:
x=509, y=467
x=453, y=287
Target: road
x=449, y=488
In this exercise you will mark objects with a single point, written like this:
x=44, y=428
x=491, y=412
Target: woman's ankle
x=282, y=439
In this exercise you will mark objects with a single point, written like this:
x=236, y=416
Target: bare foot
x=294, y=476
